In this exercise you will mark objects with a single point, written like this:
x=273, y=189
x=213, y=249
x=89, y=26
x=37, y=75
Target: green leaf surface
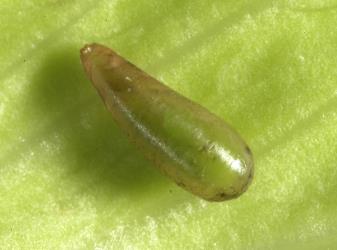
x=69, y=179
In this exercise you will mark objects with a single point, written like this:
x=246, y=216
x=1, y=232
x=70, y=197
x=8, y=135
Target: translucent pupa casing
x=186, y=142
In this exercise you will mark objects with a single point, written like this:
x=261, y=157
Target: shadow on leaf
x=93, y=149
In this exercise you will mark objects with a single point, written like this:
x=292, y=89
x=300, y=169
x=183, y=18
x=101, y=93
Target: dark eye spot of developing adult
x=181, y=184
x=248, y=150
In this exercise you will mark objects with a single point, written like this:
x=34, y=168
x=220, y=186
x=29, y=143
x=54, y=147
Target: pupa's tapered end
x=86, y=54
x=100, y=55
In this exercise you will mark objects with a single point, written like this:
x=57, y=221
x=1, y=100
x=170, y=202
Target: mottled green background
x=69, y=179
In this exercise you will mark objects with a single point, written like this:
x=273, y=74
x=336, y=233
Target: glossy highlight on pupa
x=186, y=142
